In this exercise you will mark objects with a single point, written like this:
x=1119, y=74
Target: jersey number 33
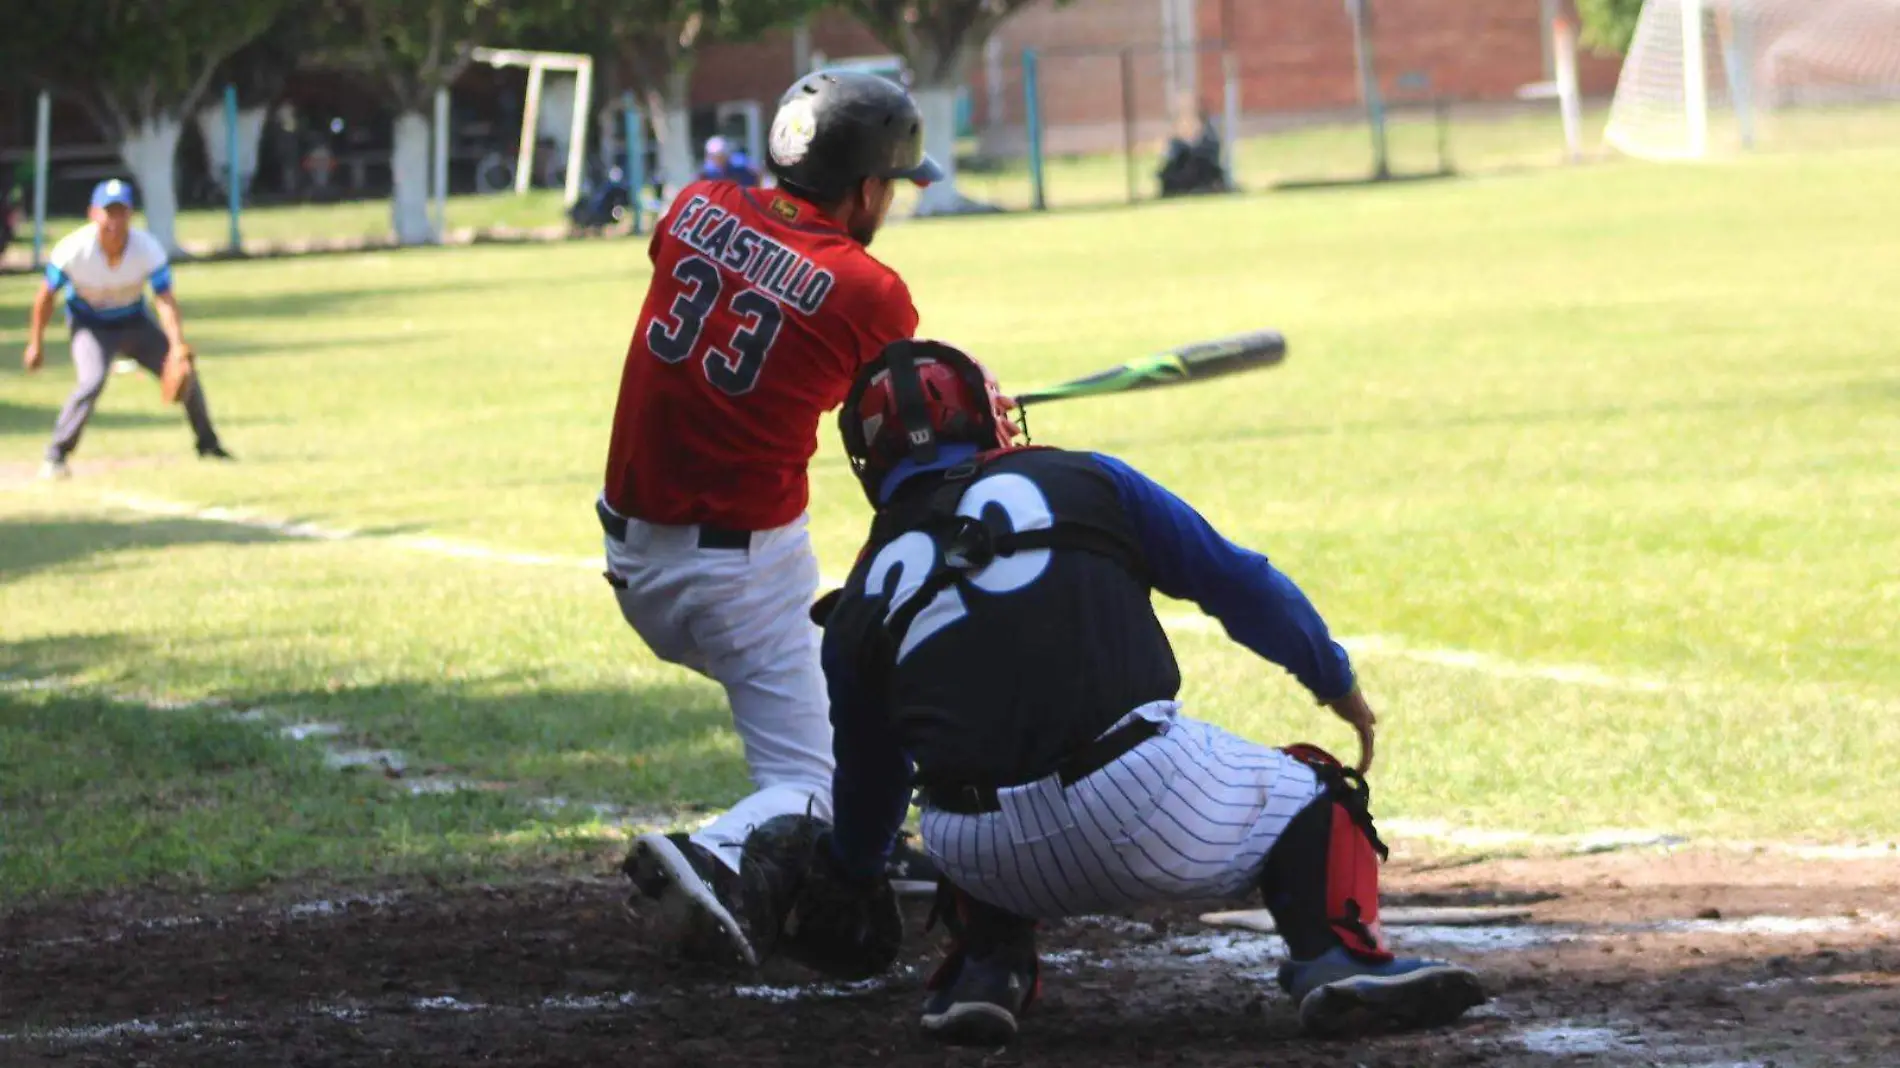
x=744, y=327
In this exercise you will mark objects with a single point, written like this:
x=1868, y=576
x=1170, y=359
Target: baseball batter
x=104, y=267
x=763, y=305
x=997, y=646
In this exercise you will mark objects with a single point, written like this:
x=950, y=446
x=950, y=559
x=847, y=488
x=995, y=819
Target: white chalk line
x=1181, y=622
x=633, y=819
x=316, y=532
x=393, y=763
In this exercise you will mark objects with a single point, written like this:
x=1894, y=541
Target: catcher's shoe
x=911, y=871
x=55, y=470
x=701, y=906
x=975, y=1001
x=1339, y=994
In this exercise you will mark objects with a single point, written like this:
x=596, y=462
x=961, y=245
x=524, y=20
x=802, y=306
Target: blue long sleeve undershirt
x=1186, y=559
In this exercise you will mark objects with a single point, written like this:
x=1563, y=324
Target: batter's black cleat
x=214, y=451
x=1340, y=995
x=976, y=1001
x=701, y=901
x=911, y=871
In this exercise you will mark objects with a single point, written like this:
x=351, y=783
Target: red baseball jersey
x=760, y=313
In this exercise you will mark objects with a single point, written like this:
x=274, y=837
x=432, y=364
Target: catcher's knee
x=1321, y=879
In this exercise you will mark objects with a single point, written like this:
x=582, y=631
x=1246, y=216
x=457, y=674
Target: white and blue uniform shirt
x=102, y=293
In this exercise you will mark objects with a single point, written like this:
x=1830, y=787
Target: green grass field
x=1638, y=420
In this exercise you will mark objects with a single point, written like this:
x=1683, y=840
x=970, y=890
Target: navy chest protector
x=966, y=545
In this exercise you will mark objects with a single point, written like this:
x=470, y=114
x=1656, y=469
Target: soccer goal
x=1706, y=77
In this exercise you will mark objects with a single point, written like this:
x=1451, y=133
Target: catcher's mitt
x=839, y=925
x=174, y=381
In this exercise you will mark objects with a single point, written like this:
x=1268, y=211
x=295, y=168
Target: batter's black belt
x=976, y=800
x=710, y=537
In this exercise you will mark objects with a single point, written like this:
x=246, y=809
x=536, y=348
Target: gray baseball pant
x=93, y=350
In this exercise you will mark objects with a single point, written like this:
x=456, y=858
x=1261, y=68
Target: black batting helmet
x=835, y=128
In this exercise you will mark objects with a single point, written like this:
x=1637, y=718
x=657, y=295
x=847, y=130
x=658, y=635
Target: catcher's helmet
x=835, y=128
x=914, y=395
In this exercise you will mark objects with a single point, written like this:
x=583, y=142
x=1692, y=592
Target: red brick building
x=1293, y=59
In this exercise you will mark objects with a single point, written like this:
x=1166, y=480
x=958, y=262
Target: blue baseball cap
x=112, y=191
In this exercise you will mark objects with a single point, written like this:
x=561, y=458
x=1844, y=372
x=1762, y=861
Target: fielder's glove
x=839, y=924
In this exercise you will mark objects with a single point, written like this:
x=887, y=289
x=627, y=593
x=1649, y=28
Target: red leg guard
x=1353, y=853
x=1352, y=889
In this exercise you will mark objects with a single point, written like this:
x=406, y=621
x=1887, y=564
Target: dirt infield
x=1698, y=959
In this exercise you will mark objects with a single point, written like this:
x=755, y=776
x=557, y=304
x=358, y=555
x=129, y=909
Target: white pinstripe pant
x=1188, y=813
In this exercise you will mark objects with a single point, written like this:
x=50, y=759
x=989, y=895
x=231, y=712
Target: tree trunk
x=938, y=83
x=937, y=104
x=250, y=131
x=150, y=151
x=409, y=172
x=673, y=130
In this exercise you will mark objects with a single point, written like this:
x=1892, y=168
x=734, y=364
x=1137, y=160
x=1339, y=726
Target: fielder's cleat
x=911, y=871
x=214, y=452
x=976, y=1001
x=55, y=470
x=1341, y=995
x=698, y=897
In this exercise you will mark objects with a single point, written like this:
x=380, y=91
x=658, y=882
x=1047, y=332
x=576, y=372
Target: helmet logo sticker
x=792, y=130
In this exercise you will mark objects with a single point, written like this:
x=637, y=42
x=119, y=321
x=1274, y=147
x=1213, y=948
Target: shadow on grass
x=105, y=792
x=37, y=419
x=325, y=301
x=29, y=545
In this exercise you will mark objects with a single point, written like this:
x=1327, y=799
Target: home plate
x=1419, y=916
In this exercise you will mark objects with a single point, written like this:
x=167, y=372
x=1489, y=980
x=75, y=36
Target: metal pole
x=1738, y=56
x=636, y=156
x=1569, y=97
x=1361, y=12
x=440, y=176
x=1695, y=79
x=1128, y=119
x=42, y=134
x=530, y=115
x=1230, y=101
x=577, y=138
x=231, y=164
x=1032, y=126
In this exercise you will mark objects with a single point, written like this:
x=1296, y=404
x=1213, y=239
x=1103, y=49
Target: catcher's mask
x=914, y=396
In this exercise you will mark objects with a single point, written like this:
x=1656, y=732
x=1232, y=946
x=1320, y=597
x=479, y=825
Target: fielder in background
x=997, y=646
x=763, y=305
x=722, y=163
x=104, y=268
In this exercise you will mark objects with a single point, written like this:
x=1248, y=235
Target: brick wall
x=760, y=70
x=1294, y=57
x=1297, y=55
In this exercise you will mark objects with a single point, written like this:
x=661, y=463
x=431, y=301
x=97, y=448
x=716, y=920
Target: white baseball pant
x=1188, y=813
x=741, y=618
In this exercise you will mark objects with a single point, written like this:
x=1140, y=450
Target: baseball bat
x=1196, y=362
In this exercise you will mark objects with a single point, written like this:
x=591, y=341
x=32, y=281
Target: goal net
x=1704, y=77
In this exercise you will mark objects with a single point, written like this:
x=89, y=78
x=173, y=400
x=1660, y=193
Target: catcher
x=105, y=266
x=996, y=647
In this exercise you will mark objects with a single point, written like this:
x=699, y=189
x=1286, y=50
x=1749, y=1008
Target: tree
x=656, y=42
x=258, y=71
x=1609, y=25
x=138, y=68
x=411, y=48
x=937, y=39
